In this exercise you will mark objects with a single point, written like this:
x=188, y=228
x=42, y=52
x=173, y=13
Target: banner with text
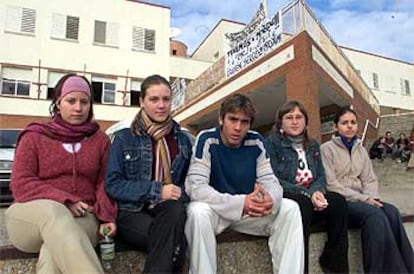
x=254, y=44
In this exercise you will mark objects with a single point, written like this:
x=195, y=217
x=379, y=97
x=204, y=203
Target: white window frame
x=143, y=39
x=65, y=27
x=405, y=87
x=375, y=80
x=20, y=20
x=111, y=34
x=18, y=84
x=106, y=90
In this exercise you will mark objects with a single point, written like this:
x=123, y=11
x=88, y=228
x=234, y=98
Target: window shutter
x=58, y=25
x=17, y=74
x=100, y=32
x=135, y=85
x=150, y=40
x=13, y=17
x=137, y=38
x=112, y=34
x=28, y=20
x=72, y=27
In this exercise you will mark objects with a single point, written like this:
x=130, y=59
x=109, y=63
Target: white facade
x=114, y=43
x=212, y=48
x=392, y=81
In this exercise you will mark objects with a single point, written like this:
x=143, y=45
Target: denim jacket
x=284, y=161
x=129, y=169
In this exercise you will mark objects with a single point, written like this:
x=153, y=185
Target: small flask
x=107, y=247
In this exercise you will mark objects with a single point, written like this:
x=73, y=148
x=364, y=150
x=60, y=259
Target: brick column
x=302, y=85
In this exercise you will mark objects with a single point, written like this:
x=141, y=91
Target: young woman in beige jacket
x=349, y=171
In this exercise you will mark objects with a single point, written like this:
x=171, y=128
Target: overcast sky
x=384, y=27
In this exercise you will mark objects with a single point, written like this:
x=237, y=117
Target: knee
x=290, y=209
x=199, y=213
x=376, y=220
x=337, y=202
x=176, y=209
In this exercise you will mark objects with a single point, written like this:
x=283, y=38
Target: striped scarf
x=158, y=131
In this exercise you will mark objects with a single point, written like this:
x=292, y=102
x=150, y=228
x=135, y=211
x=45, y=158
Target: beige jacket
x=350, y=175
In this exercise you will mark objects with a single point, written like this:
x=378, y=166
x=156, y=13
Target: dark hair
x=57, y=91
x=238, y=102
x=153, y=80
x=342, y=112
x=387, y=132
x=286, y=108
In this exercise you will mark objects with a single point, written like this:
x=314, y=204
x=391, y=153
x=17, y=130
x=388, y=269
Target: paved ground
x=396, y=187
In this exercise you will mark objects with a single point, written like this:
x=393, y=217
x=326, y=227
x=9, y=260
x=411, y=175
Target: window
x=21, y=20
x=65, y=27
x=106, y=33
x=15, y=87
x=108, y=93
x=405, y=87
x=15, y=81
x=135, y=93
x=143, y=39
x=103, y=90
x=53, y=78
x=375, y=80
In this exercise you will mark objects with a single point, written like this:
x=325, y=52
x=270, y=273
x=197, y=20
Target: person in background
x=377, y=149
x=410, y=164
x=389, y=142
x=57, y=183
x=231, y=185
x=296, y=162
x=401, y=150
x=349, y=172
x=146, y=170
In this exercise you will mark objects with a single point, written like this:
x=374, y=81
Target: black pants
x=335, y=254
x=159, y=232
x=385, y=244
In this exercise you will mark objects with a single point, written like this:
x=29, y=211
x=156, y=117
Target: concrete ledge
x=237, y=253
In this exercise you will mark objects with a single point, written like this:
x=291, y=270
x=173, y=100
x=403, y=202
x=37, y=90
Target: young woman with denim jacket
x=146, y=170
x=385, y=245
x=296, y=162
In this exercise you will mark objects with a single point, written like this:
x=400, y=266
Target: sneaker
x=398, y=161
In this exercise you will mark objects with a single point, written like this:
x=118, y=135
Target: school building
x=273, y=58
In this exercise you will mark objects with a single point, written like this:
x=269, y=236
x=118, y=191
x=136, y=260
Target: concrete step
x=248, y=254
x=244, y=255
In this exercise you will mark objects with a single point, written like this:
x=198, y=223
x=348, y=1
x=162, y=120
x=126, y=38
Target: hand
x=258, y=203
x=170, y=192
x=80, y=209
x=374, y=202
x=319, y=201
x=111, y=226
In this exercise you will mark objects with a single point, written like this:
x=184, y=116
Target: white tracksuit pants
x=284, y=229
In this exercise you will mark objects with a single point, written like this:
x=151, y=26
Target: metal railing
x=367, y=123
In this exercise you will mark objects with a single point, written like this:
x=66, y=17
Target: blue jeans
x=385, y=245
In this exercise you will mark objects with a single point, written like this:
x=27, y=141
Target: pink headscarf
x=75, y=83
x=59, y=129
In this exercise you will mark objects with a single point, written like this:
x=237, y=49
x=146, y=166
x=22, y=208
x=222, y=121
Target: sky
x=383, y=27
